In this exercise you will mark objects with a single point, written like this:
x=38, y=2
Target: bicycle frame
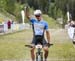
x=39, y=54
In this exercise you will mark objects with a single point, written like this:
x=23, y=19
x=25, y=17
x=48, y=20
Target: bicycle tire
x=39, y=57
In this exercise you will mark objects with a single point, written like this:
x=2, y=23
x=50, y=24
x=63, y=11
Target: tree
x=10, y=6
x=2, y=4
x=39, y=4
x=71, y=5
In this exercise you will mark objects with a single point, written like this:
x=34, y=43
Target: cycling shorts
x=38, y=39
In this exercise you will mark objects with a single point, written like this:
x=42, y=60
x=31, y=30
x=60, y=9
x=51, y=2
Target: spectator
x=9, y=24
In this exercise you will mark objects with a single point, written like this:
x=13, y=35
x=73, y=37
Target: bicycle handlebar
x=30, y=46
x=49, y=44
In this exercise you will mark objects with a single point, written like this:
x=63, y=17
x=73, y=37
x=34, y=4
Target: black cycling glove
x=48, y=44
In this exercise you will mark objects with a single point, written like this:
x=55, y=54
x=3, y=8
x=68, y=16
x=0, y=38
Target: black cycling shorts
x=39, y=40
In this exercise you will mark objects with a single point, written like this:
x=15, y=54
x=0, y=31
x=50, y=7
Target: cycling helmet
x=37, y=12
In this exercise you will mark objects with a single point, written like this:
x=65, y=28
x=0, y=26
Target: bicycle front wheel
x=39, y=57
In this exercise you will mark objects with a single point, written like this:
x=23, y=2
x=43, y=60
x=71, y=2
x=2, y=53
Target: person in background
x=9, y=24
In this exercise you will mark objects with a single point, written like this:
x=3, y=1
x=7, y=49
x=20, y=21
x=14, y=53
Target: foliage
x=10, y=6
x=2, y=3
x=17, y=11
x=54, y=8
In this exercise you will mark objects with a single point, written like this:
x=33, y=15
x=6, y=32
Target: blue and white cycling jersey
x=39, y=26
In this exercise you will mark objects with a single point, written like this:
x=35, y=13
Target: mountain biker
x=71, y=24
x=39, y=27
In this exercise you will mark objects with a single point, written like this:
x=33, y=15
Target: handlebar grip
x=48, y=44
x=29, y=46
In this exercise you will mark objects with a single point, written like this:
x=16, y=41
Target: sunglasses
x=37, y=15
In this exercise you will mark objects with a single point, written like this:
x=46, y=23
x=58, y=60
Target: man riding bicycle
x=39, y=27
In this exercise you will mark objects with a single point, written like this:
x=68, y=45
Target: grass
x=12, y=46
x=63, y=49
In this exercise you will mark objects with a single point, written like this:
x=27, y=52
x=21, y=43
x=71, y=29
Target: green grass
x=62, y=51
x=12, y=46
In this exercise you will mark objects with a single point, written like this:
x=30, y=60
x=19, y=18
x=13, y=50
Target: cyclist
x=72, y=28
x=39, y=28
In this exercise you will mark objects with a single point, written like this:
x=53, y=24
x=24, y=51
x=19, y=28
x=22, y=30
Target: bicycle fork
x=39, y=55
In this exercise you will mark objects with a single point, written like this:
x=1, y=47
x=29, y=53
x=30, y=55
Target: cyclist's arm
x=29, y=17
x=47, y=32
x=48, y=36
x=27, y=14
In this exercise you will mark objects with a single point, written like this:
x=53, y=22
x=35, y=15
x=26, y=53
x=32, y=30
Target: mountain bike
x=39, y=52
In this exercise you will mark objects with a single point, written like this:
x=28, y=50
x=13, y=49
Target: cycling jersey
x=39, y=26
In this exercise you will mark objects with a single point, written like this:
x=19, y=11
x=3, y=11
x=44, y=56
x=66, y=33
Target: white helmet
x=37, y=12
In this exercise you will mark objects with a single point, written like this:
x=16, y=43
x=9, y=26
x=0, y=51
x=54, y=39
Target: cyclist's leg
x=46, y=52
x=32, y=54
x=32, y=49
x=45, y=48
